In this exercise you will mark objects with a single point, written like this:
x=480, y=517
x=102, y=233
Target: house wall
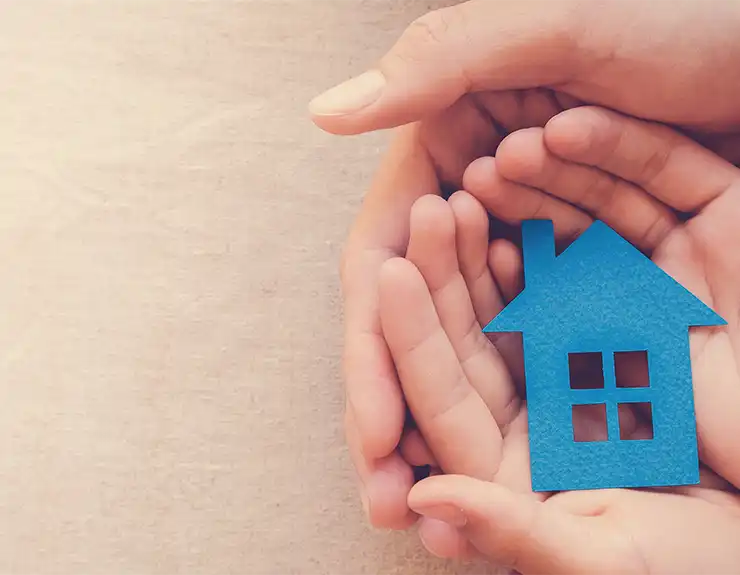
x=559, y=462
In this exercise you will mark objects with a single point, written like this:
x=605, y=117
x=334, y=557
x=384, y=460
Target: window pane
x=589, y=422
x=631, y=369
x=635, y=420
x=586, y=370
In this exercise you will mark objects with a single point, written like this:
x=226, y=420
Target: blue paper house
x=602, y=296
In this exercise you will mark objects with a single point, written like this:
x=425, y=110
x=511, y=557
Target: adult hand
x=673, y=63
x=450, y=71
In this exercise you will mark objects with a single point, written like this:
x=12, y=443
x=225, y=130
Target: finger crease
x=473, y=342
x=657, y=231
x=654, y=166
x=458, y=393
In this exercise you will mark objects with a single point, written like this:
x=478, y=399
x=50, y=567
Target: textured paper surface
x=171, y=225
x=603, y=295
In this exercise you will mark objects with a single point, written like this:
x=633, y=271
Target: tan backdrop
x=170, y=319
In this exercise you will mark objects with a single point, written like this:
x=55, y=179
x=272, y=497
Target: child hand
x=456, y=383
x=461, y=389
x=600, y=531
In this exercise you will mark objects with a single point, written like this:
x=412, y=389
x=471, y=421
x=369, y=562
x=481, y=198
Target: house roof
x=600, y=278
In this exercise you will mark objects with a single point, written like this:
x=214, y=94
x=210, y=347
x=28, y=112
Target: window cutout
x=631, y=369
x=589, y=423
x=635, y=420
x=586, y=370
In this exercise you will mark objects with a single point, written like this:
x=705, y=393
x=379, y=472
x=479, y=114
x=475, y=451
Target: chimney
x=538, y=248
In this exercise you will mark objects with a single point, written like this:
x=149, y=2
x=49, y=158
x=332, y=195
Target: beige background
x=170, y=319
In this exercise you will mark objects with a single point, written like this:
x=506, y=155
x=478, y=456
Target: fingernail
x=350, y=96
x=451, y=515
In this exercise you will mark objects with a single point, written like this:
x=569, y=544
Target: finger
x=471, y=235
x=669, y=166
x=523, y=158
x=450, y=414
x=458, y=135
x=443, y=540
x=513, y=202
x=447, y=53
x=374, y=398
x=432, y=248
x=517, y=530
x=505, y=262
x=471, y=225
x=384, y=483
x=415, y=450
x=515, y=470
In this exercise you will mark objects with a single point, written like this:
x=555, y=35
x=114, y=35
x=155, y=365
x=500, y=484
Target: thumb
x=474, y=46
x=518, y=530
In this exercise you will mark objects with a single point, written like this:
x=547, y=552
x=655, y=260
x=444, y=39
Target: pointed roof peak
x=601, y=269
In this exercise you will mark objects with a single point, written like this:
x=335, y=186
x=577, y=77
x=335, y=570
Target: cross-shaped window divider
x=606, y=391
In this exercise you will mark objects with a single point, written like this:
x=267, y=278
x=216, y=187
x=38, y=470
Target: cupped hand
x=680, y=204
x=425, y=158
x=673, y=63
x=450, y=71
x=459, y=388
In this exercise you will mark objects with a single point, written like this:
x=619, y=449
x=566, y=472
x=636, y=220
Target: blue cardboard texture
x=603, y=295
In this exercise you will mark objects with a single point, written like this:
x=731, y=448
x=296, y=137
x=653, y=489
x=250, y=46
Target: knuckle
x=598, y=197
x=653, y=166
x=584, y=196
x=473, y=343
x=425, y=39
x=429, y=29
x=607, y=194
x=477, y=273
x=439, y=35
x=657, y=231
